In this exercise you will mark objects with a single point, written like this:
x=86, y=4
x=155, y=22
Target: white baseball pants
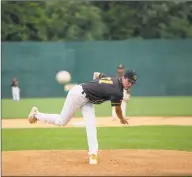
x=15, y=93
x=75, y=100
x=123, y=108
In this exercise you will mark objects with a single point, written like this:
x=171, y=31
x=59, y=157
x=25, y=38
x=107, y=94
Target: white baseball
x=63, y=77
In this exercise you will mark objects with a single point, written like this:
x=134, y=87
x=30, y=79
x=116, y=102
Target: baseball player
x=84, y=96
x=126, y=95
x=15, y=89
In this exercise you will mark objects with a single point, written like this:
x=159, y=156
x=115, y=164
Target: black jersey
x=104, y=89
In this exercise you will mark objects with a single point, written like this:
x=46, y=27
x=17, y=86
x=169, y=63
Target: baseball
x=63, y=77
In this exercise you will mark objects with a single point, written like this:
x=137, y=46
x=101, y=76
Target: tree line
x=59, y=20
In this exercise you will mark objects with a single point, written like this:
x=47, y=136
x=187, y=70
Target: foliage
x=52, y=20
x=100, y=20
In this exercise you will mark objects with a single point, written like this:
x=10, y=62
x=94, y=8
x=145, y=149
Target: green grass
x=138, y=106
x=143, y=137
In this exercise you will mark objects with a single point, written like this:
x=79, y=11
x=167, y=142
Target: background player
x=126, y=94
x=15, y=89
x=84, y=96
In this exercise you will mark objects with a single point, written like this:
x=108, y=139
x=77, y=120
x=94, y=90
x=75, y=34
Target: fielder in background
x=126, y=94
x=83, y=97
x=15, y=89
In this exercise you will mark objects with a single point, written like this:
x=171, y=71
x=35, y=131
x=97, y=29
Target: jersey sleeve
x=98, y=75
x=116, y=100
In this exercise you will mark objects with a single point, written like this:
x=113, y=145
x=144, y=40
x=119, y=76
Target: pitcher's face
x=127, y=83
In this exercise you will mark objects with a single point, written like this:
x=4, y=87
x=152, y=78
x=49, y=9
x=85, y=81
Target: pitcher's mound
x=111, y=162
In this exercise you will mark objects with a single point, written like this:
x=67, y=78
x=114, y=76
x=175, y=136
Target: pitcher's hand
x=124, y=121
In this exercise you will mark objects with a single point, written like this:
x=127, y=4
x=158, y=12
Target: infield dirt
x=111, y=162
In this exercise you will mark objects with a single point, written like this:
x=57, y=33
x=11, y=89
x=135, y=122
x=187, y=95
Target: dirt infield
x=102, y=122
x=111, y=163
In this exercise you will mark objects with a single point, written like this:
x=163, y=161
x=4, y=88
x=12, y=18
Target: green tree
x=23, y=21
x=74, y=20
x=164, y=20
x=52, y=20
x=119, y=18
x=82, y=20
x=148, y=19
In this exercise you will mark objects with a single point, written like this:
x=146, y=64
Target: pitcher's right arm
x=116, y=101
x=120, y=114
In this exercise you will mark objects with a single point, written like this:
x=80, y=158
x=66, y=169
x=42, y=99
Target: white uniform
x=126, y=97
x=15, y=93
x=75, y=100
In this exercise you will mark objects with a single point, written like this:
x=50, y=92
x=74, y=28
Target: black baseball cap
x=120, y=66
x=131, y=75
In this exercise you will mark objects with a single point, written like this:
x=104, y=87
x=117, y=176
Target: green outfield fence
x=163, y=66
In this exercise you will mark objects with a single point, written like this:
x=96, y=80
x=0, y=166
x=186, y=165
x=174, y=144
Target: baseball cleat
x=93, y=159
x=32, y=119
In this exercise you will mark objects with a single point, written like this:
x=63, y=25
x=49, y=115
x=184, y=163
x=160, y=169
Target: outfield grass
x=138, y=106
x=144, y=137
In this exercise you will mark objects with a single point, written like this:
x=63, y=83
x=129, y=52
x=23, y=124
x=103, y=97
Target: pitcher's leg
x=69, y=108
x=55, y=119
x=88, y=113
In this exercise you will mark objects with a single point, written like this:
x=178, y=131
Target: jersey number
x=106, y=80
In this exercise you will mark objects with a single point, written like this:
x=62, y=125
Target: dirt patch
x=111, y=163
x=102, y=122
